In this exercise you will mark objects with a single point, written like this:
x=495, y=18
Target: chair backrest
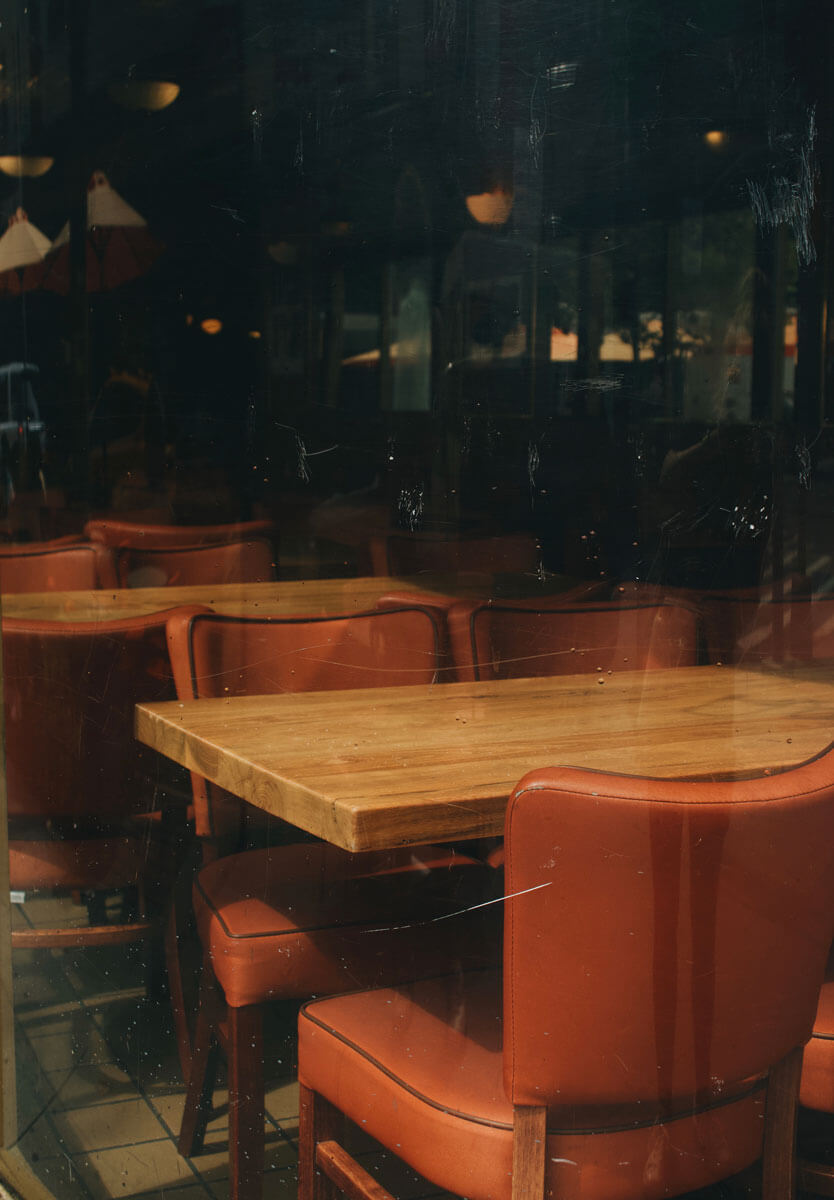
x=687, y=926
x=70, y=690
x=251, y=561
x=514, y=640
x=119, y=534
x=55, y=567
x=411, y=554
x=730, y=615
x=798, y=630
x=218, y=655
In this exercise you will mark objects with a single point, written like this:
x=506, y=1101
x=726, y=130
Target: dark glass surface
x=442, y=268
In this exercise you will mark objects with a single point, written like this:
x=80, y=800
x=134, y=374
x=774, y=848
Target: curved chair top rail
x=56, y=567
x=120, y=534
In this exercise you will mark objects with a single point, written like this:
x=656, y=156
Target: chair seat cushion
x=310, y=919
x=105, y=862
x=420, y=1068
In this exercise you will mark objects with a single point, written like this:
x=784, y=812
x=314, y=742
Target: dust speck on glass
x=411, y=396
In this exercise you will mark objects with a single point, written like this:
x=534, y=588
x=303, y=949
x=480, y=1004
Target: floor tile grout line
x=147, y=1099
x=166, y=1133
x=67, y=1157
x=90, y=1010
x=47, y=1109
x=140, y=1089
x=166, y=1136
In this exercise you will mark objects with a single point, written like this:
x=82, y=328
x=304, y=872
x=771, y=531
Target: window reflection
x=510, y=309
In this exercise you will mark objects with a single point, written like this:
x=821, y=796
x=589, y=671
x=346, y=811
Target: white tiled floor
x=99, y=1090
x=100, y=1093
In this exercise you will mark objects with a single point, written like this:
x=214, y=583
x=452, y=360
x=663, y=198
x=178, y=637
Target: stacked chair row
x=117, y=554
x=641, y=628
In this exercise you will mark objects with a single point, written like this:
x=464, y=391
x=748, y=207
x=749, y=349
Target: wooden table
x=316, y=597
x=384, y=767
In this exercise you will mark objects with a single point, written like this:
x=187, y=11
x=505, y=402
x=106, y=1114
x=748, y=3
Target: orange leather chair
x=297, y=920
x=58, y=566
x=250, y=561
x=414, y=553
x=743, y=623
x=752, y=632
x=515, y=639
x=119, y=534
x=664, y=946
x=80, y=788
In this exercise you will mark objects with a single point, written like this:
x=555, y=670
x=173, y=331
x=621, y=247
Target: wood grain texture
x=313, y=596
x=389, y=766
x=529, y=1146
x=779, y=1152
x=318, y=1121
x=350, y=1178
x=83, y=935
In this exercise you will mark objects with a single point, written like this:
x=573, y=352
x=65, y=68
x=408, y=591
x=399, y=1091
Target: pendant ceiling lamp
x=120, y=247
x=491, y=208
x=22, y=251
x=148, y=95
x=21, y=166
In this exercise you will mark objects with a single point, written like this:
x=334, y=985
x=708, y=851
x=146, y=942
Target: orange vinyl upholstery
x=120, y=534
x=297, y=920
x=78, y=783
x=673, y=986
x=775, y=621
x=57, y=566
x=219, y=655
x=526, y=638
x=97, y=864
x=440, y=607
x=250, y=561
x=798, y=630
x=817, y=1088
x=308, y=919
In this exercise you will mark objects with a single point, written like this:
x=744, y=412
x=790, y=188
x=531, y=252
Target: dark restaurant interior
x=416, y=485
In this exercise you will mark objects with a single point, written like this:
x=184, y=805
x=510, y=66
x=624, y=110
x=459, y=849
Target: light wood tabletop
x=316, y=597
x=386, y=767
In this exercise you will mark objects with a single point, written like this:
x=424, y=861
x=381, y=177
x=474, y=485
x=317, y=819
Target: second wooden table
x=317, y=597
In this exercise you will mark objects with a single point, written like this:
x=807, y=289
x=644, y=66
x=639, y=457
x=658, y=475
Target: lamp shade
x=22, y=250
x=150, y=95
x=120, y=247
x=491, y=208
x=21, y=166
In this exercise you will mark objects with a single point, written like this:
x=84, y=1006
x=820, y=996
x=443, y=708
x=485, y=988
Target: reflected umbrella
x=22, y=251
x=120, y=247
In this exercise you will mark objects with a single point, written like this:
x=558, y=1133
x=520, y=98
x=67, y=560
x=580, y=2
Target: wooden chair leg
x=529, y=1153
x=246, y=1102
x=156, y=974
x=318, y=1121
x=203, y=1070
x=781, y=1108
x=176, y=991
